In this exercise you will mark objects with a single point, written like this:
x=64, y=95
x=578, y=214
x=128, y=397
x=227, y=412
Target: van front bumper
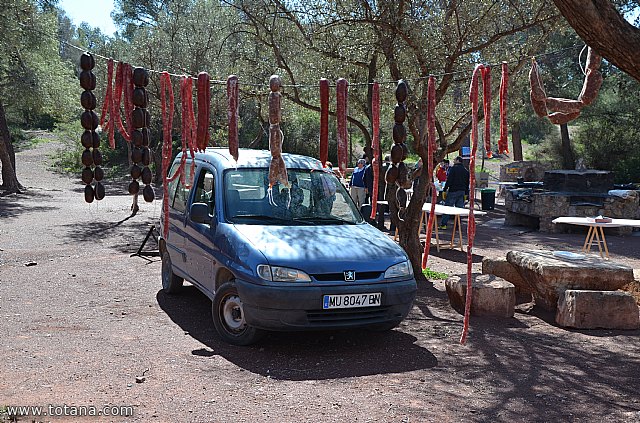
x=301, y=307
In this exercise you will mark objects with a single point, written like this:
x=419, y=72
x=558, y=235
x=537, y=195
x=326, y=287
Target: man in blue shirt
x=357, y=188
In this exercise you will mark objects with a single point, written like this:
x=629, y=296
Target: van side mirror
x=199, y=213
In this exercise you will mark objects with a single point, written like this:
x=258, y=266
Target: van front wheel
x=228, y=317
x=171, y=283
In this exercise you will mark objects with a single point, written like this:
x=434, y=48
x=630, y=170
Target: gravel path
x=80, y=319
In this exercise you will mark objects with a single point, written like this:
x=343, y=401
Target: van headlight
x=281, y=274
x=399, y=270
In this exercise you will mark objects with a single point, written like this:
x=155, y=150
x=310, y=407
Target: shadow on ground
x=300, y=355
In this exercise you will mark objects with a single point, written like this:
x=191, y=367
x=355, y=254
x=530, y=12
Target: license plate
x=352, y=300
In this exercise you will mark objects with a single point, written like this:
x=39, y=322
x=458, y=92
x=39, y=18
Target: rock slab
x=583, y=309
x=550, y=276
x=490, y=296
x=500, y=267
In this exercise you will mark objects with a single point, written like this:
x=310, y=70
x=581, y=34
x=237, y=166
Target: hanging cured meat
x=398, y=172
x=277, y=168
x=204, y=110
x=431, y=147
x=90, y=139
x=232, y=113
x=189, y=130
x=486, y=102
x=503, y=142
x=341, y=123
x=375, y=145
x=565, y=110
x=141, y=120
x=167, y=104
x=324, y=121
x=471, y=226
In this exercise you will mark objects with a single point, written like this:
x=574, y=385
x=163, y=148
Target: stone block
x=584, y=309
x=550, y=275
x=500, y=267
x=490, y=296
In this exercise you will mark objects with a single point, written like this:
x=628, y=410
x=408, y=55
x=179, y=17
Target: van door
x=201, y=252
x=178, y=195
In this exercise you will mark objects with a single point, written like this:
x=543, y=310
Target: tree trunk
x=516, y=142
x=568, y=162
x=9, y=179
x=604, y=29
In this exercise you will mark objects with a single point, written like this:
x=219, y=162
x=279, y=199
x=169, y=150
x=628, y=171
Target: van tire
x=171, y=284
x=228, y=317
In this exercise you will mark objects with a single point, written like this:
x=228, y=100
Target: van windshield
x=314, y=197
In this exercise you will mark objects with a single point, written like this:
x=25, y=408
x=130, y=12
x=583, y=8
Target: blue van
x=291, y=258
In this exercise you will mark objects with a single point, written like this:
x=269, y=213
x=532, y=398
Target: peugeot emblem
x=349, y=275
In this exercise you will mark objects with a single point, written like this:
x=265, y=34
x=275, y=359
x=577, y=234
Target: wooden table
x=456, y=212
x=596, y=230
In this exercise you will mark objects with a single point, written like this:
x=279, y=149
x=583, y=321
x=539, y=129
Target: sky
x=96, y=13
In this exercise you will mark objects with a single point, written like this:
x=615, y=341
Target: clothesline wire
x=352, y=84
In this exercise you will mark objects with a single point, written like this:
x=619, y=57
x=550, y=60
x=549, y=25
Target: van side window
x=205, y=190
x=178, y=193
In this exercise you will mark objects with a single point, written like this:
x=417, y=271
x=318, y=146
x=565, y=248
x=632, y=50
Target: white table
x=596, y=230
x=456, y=212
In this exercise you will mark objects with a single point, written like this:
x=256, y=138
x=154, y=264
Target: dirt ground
x=80, y=319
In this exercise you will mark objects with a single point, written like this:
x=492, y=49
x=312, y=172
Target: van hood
x=325, y=248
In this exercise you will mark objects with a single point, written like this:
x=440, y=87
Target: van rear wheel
x=171, y=283
x=228, y=317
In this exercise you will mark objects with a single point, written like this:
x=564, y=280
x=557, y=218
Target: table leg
x=435, y=224
x=395, y=236
x=604, y=241
x=459, y=231
x=599, y=241
x=453, y=232
x=420, y=225
x=586, y=240
x=590, y=243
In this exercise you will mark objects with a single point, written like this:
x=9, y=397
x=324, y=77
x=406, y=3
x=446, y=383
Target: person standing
x=368, y=180
x=356, y=184
x=456, y=187
x=441, y=178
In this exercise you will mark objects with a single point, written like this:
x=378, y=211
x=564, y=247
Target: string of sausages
x=431, y=147
x=232, y=115
x=503, y=143
x=341, y=123
x=167, y=125
x=112, y=101
x=277, y=168
x=90, y=139
x=189, y=129
x=375, y=145
x=565, y=110
x=204, y=110
x=141, y=121
x=324, y=121
x=486, y=103
x=471, y=227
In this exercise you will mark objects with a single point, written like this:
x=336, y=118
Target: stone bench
x=491, y=295
x=583, y=309
x=550, y=276
x=500, y=267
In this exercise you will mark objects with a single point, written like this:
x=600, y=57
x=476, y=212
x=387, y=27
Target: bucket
x=488, y=197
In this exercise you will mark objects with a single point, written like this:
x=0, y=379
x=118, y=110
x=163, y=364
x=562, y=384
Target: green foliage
x=608, y=134
x=432, y=274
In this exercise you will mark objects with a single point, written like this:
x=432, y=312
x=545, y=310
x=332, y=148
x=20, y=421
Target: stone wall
x=529, y=170
x=544, y=207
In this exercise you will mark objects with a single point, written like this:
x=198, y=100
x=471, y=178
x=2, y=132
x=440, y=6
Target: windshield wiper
x=326, y=219
x=259, y=217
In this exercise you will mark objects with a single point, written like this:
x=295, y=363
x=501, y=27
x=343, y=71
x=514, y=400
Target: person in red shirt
x=441, y=171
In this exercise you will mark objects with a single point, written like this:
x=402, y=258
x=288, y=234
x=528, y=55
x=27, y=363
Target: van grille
x=360, y=276
x=349, y=316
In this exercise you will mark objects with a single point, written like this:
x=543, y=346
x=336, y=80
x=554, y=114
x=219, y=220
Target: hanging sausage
x=503, y=142
x=90, y=139
x=324, y=121
x=204, y=110
x=398, y=172
x=277, y=168
x=342, y=135
x=431, y=149
x=166, y=90
x=486, y=103
x=232, y=112
x=375, y=145
x=141, y=120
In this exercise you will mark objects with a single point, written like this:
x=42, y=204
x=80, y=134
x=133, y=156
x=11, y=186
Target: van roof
x=253, y=158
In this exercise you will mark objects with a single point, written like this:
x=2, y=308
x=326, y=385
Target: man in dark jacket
x=456, y=187
x=368, y=179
